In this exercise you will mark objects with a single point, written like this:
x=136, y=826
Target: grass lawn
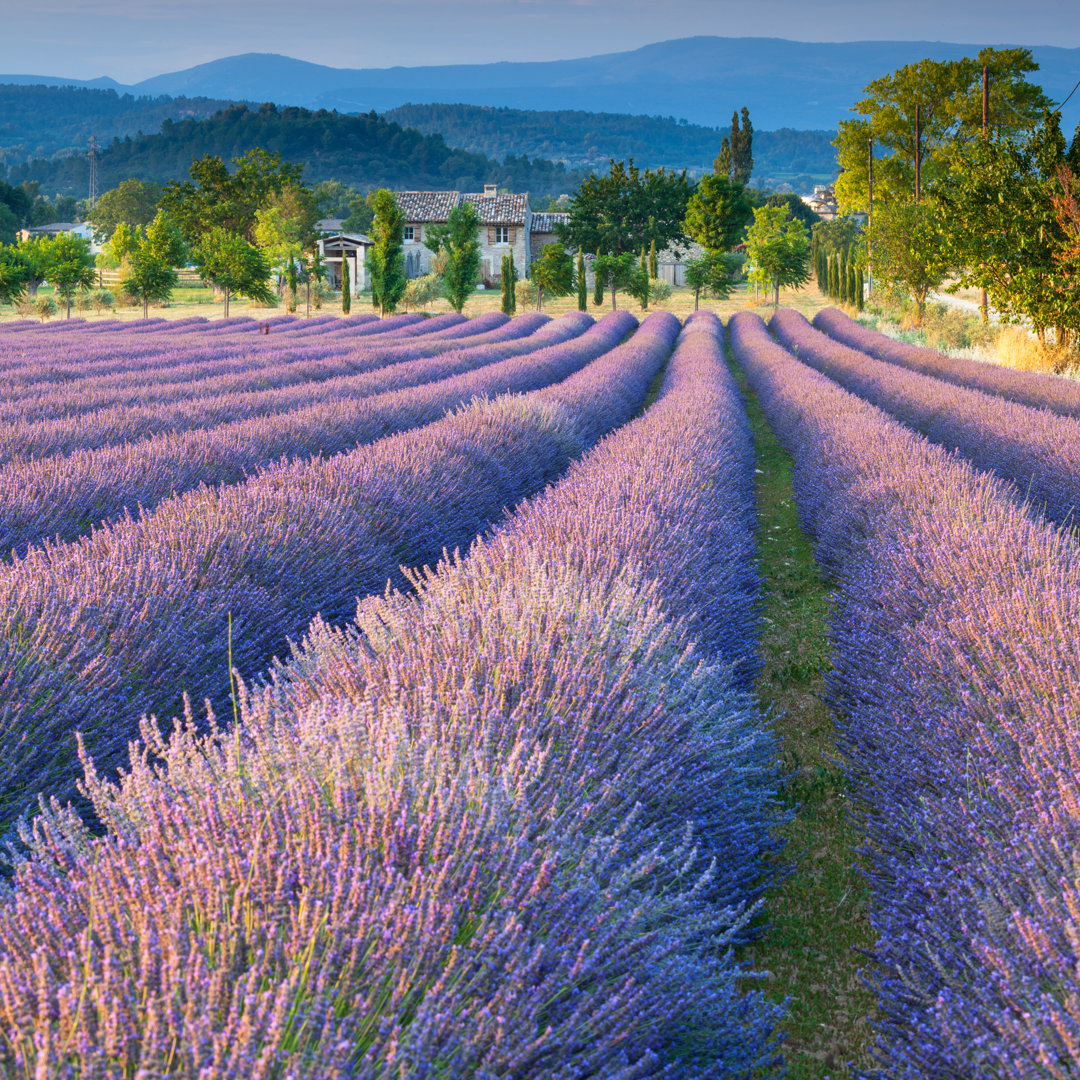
x=819, y=915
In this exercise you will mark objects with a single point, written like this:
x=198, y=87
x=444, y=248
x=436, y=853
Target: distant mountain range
x=785, y=84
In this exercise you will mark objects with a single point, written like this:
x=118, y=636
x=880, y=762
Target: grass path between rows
x=818, y=916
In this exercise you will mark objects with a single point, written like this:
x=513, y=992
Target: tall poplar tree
x=386, y=258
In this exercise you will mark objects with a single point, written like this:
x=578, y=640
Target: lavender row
x=63, y=497
x=959, y=680
x=140, y=612
x=293, y=386
x=511, y=826
x=1038, y=451
x=124, y=365
x=1060, y=396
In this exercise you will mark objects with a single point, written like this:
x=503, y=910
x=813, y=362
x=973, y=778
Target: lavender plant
x=956, y=674
x=509, y=826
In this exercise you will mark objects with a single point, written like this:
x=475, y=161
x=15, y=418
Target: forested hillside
x=363, y=151
x=588, y=139
x=45, y=121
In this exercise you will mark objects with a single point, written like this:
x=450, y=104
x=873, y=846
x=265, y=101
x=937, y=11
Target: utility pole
x=92, y=155
x=918, y=153
x=869, y=212
x=984, y=302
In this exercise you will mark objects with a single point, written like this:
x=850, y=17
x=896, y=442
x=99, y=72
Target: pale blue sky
x=130, y=41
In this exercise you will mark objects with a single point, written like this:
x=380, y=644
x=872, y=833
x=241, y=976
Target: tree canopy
x=132, y=202
x=718, y=213
x=949, y=96
x=778, y=247
x=385, y=259
x=553, y=273
x=458, y=238
x=228, y=261
x=627, y=207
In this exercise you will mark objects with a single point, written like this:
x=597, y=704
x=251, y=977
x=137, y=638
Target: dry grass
x=1016, y=348
x=189, y=301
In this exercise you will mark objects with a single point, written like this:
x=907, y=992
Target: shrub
x=659, y=291
x=525, y=291
x=420, y=291
x=45, y=307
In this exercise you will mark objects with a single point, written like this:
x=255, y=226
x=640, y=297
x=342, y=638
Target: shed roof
x=546, y=222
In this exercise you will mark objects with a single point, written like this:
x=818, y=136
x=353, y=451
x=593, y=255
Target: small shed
x=353, y=247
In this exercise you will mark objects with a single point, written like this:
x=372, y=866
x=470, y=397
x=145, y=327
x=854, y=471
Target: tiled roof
x=424, y=206
x=545, y=223
x=500, y=209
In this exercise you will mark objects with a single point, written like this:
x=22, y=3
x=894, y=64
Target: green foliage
x=285, y=227
x=45, y=307
x=709, y=273
x=69, y=266
x=215, y=198
x=582, y=284
x=505, y=300
x=659, y=291
x=718, y=213
x=15, y=273
x=617, y=272
x=616, y=212
x=949, y=93
x=420, y=291
x=386, y=258
x=778, y=247
x=132, y=202
x=1002, y=229
x=908, y=249
x=654, y=262
x=525, y=293
x=346, y=288
x=553, y=273
x=639, y=288
x=598, y=285
x=365, y=151
x=229, y=262
x=459, y=237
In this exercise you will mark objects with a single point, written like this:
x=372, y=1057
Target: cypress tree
x=853, y=286
x=582, y=288
x=860, y=285
x=843, y=279
x=654, y=262
x=598, y=287
x=834, y=277
x=513, y=284
x=346, y=290
x=645, y=275
x=507, y=286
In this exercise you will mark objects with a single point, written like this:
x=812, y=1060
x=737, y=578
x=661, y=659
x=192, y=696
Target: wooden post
x=918, y=153
x=984, y=301
x=869, y=212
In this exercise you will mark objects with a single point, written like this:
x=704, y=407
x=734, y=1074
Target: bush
x=525, y=291
x=45, y=307
x=102, y=300
x=420, y=291
x=659, y=291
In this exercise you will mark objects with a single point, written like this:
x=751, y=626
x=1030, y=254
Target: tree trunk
x=308, y=298
x=226, y=301
x=613, y=296
x=539, y=298
x=776, y=293
x=697, y=296
x=145, y=308
x=67, y=306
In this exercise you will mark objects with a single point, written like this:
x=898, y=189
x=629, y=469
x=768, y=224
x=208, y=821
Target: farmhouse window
x=410, y=232
x=502, y=234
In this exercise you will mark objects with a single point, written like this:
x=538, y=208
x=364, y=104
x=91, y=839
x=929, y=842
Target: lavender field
x=385, y=698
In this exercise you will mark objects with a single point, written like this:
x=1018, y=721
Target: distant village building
x=340, y=248
x=823, y=202
x=62, y=228
x=330, y=226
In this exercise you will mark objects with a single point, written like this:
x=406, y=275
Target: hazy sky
x=134, y=40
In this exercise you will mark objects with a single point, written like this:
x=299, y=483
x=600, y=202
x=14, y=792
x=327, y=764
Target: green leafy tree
x=459, y=238
x=723, y=164
x=505, y=303
x=346, y=288
x=15, y=273
x=616, y=272
x=949, y=96
x=582, y=284
x=654, y=261
x=637, y=290
x=285, y=230
x=778, y=247
x=386, y=258
x=742, y=148
x=710, y=273
x=718, y=213
x=69, y=266
x=151, y=261
x=598, y=285
x=552, y=273
x=35, y=251
x=215, y=198
x=234, y=265
x=619, y=211
x=132, y=202
x=909, y=250
x=1004, y=233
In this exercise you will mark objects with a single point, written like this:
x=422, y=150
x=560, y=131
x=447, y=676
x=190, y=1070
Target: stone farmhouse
x=508, y=226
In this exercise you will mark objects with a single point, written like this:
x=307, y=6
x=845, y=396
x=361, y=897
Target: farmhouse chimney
x=491, y=189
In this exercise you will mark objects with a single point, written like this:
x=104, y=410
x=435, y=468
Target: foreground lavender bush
x=958, y=676
x=62, y=498
x=461, y=845
x=1059, y=395
x=139, y=612
x=1037, y=450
